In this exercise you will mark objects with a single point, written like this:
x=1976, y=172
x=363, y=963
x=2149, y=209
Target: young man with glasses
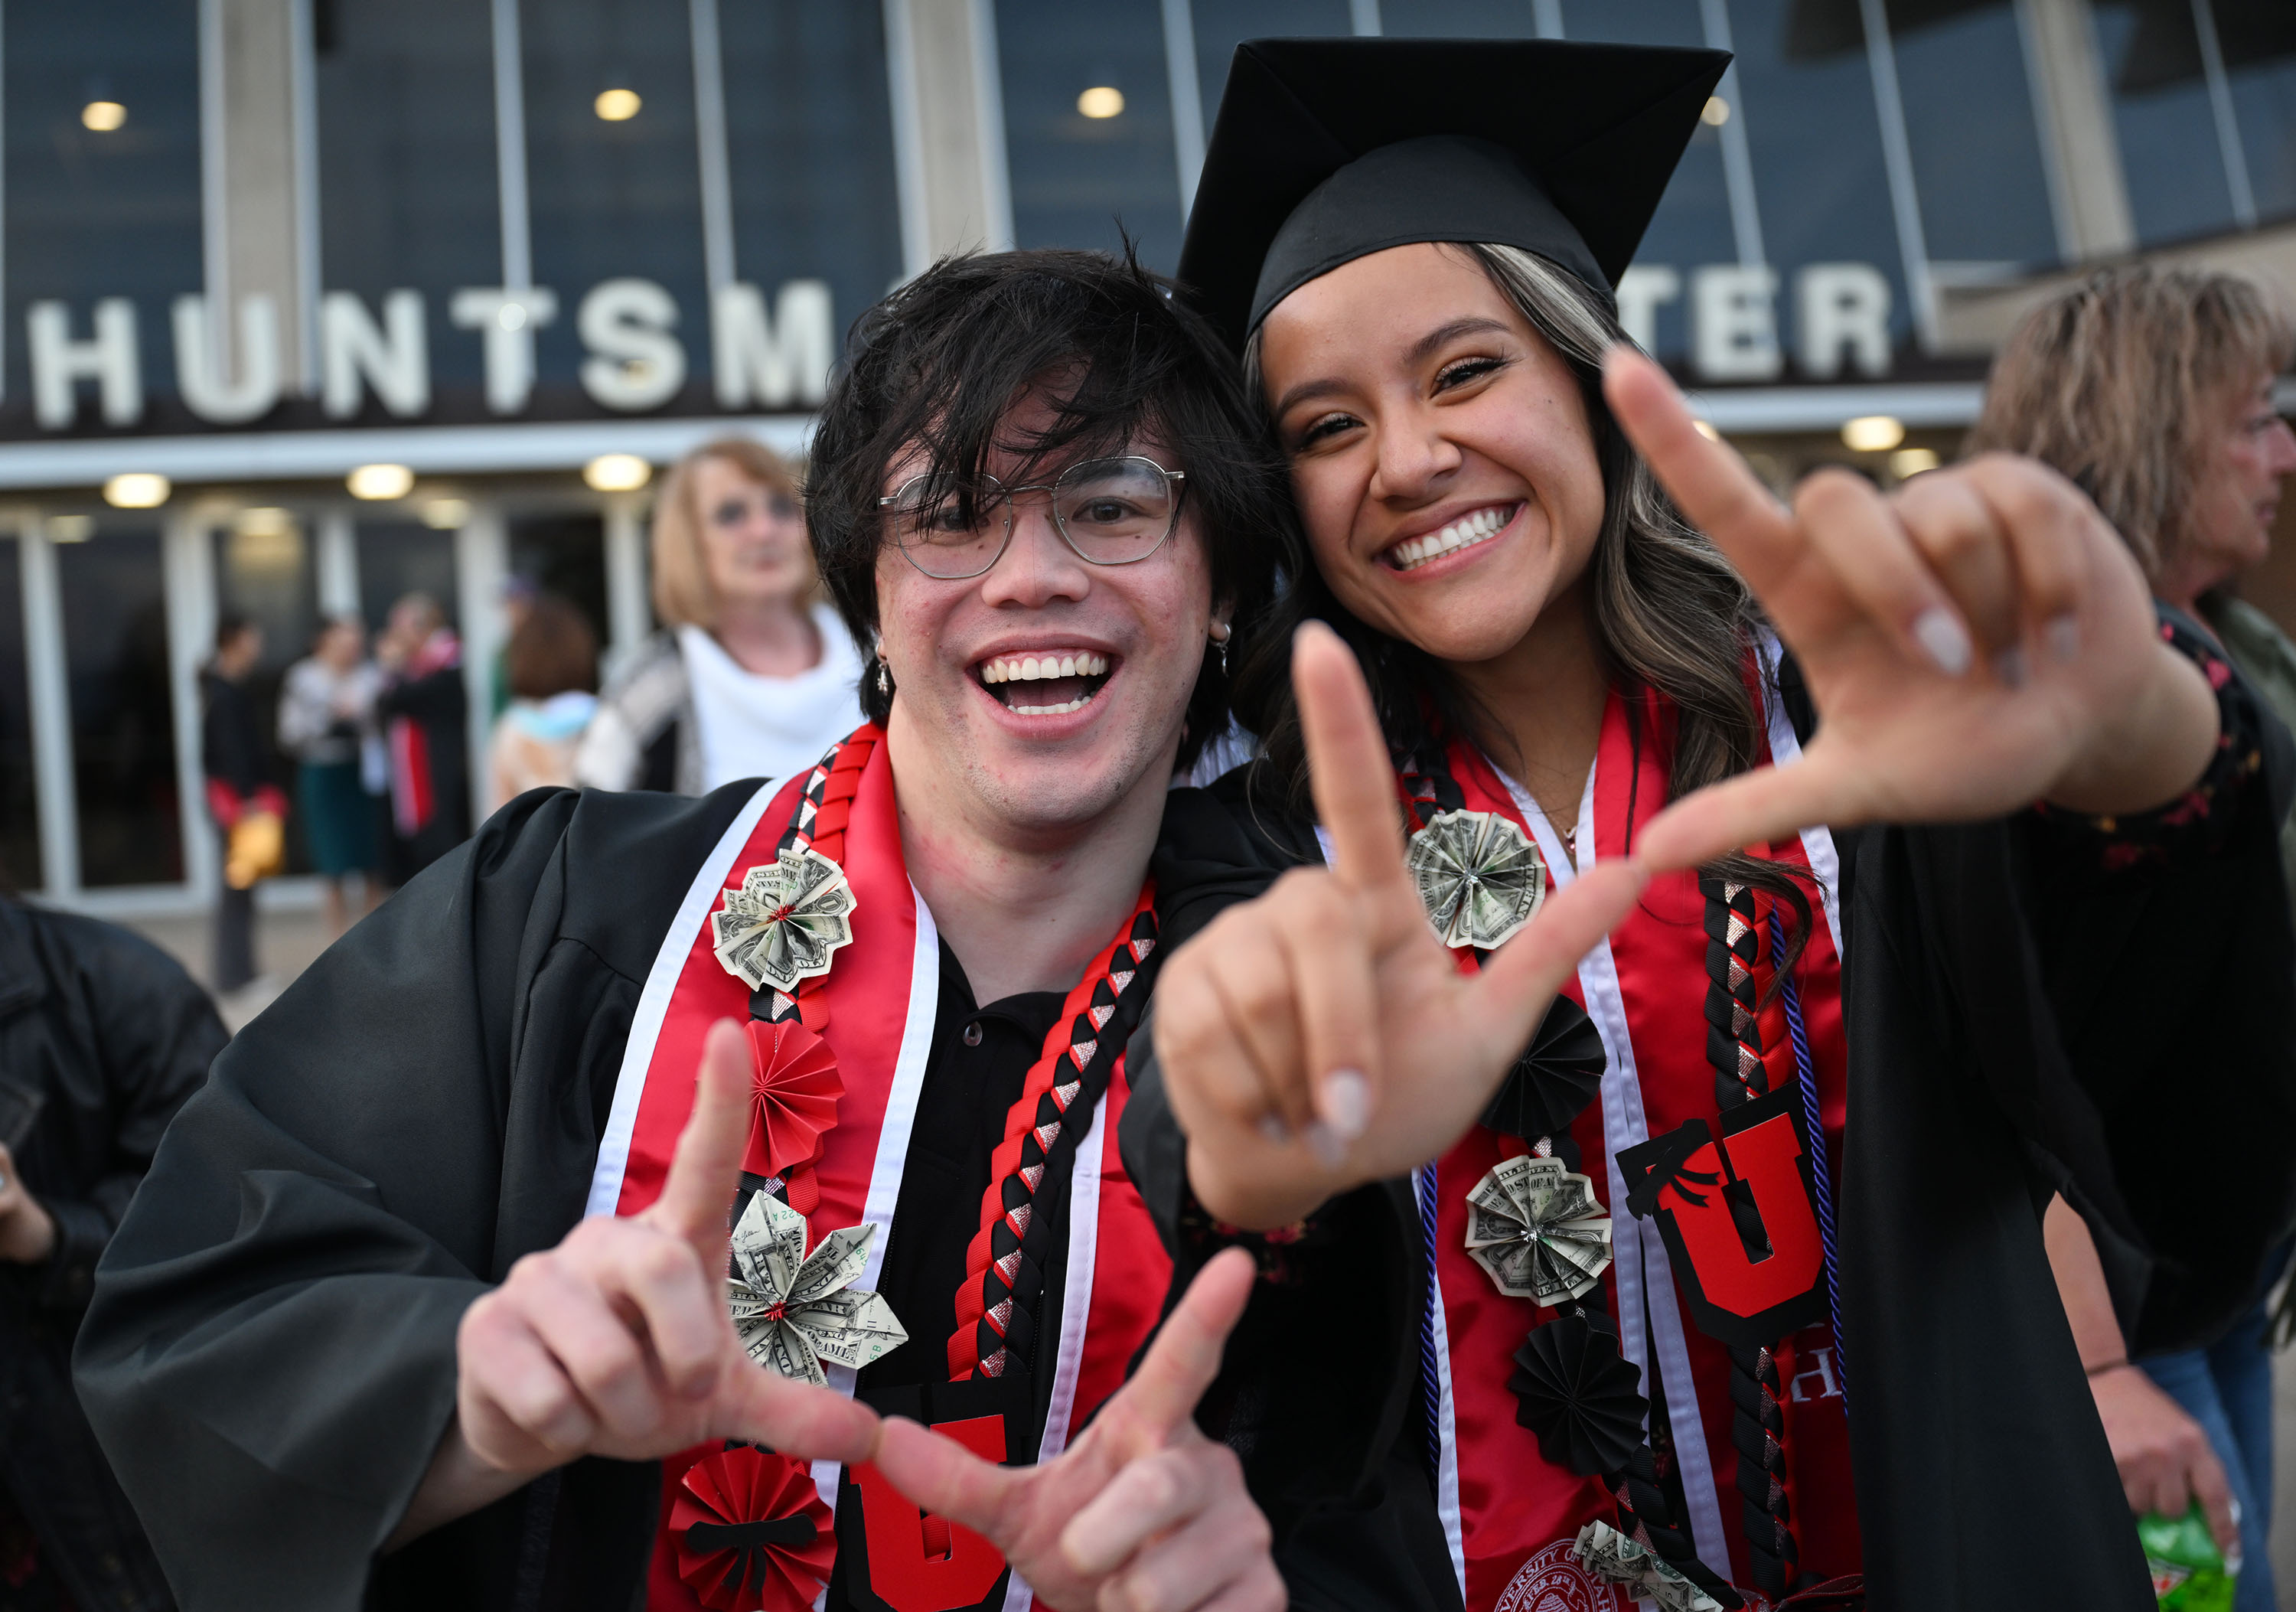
x=427, y=1298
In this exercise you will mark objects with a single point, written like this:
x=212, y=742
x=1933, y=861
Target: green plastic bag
x=2189, y=1573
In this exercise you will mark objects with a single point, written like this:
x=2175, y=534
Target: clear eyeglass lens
x=949, y=527
x=1114, y=510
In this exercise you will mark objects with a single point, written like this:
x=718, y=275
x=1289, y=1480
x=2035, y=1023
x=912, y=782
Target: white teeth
x=1053, y=710
x=1025, y=669
x=1462, y=533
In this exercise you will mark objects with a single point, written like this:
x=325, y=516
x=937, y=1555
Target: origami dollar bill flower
x=785, y=921
x=1644, y=1575
x=794, y=1310
x=1537, y=1229
x=1479, y=878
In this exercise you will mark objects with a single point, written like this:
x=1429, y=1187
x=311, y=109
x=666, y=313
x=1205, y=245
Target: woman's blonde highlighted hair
x=2117, y=383
x=682, y=596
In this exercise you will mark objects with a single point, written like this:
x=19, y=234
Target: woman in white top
x=751, y=677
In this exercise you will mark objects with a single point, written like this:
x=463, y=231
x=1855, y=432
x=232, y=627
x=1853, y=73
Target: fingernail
x=1324, y=1143
x=1346, y=1103
x=2232, y=1560
x=2063, y=634
x=2010, y=666
x=1944, y=640
x=1274, y=1132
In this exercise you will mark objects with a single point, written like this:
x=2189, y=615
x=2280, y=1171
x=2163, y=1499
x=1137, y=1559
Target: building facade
x=306, y=304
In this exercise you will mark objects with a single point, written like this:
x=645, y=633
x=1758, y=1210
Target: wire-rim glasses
x=1109, y=512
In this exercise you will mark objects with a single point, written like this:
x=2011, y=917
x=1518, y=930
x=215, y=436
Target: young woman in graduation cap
x=1944, y=878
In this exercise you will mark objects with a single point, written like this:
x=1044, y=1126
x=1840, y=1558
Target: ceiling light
x=70, y=528
x=1706, y=429
x=1715, y=113
x=1101, y=101
x=136, y=489
x=617, y=105
x=380, y=481
x=1873, y=434
x=445, y=514
x=1908, y=462
x=617, y=472
x=103, y=115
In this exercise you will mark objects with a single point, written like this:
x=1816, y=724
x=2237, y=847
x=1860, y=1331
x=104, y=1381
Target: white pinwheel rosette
x=784, y=922
x=1536, y=1228
x=1479, y=877
x=793, y=1310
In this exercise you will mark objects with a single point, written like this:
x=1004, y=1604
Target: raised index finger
x=706, y=1167
x=1715, y=490
x=1347, y=759
x=1185, y=1356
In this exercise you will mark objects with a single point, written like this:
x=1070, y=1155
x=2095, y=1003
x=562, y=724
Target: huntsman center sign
x=371, y=364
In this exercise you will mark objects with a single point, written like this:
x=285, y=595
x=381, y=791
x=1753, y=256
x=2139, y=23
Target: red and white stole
x=1509, y=1515
x=883, y=993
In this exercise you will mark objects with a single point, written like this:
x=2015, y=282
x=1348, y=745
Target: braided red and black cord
x=1734, y=1047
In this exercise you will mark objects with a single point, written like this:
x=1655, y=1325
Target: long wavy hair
x=1670, y=613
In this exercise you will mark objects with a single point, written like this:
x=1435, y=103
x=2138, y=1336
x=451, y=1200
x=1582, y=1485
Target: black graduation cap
x=1327, y=150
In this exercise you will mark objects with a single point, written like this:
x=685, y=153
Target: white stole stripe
x=1645, y=1278
x=1076, y=1313
x=892, y=1143
x=654, y=1001
x=1785, y=748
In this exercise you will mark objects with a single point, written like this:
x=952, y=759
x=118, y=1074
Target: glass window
x=1458, y=18
x=1692, y=225
x=2258, y=41
x=406, y=96
x=809, y=139
x=614, y=183
x=1815, y=144
x=115, y=623
x=19, y=818
x=1089, y=125
x=399, y=557
x=264, y=572
x=102, y=167
x=2160, y=112
x=1969, y=119
x=1222, y=25
x=564, y=553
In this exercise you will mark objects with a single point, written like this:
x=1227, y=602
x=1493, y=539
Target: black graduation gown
x=2019, y=1023
x=270, y=1356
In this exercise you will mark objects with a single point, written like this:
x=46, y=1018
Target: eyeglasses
x=1109, y=511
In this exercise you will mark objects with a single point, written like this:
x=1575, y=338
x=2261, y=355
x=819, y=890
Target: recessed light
x=103, y=115
x=617, y=472
x=136, y=489
x=1715, y=113
x=446, y=515
x=1873, y=434
x=1101, y=101
x=380, y=481
x=70, y=528
x=1909, y=462
x=617, y=105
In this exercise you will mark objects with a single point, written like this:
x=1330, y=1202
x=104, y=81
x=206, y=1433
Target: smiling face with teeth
x=1440, y=451
x=1046, y=693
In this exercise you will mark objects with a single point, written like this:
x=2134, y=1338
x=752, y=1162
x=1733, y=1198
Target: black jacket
x=107, y=1035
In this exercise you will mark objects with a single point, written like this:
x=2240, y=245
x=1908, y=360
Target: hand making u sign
x=1143, y=1513
x=1975, y=642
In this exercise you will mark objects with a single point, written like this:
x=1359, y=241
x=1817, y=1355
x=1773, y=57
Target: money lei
x=1610, y=1556
x=785, y=920
x=1534, y=1227
x=1477, y=876
x=794, y=1310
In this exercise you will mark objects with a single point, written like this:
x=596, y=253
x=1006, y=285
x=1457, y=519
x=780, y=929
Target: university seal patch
x=1553, y=1581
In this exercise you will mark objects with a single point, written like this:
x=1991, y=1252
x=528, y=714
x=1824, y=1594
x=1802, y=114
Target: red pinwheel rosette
x=752, y=1534
x=794, y=1093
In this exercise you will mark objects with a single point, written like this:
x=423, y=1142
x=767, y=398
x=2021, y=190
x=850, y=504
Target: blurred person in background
x=752, y=676
x=326, y=721
x=2152, y=388
x=102, y=1036
x=248, y=810
x=425, y=714
x=551, y=670
x=517, y=595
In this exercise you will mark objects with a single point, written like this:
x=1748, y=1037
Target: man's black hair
x=940, y=362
